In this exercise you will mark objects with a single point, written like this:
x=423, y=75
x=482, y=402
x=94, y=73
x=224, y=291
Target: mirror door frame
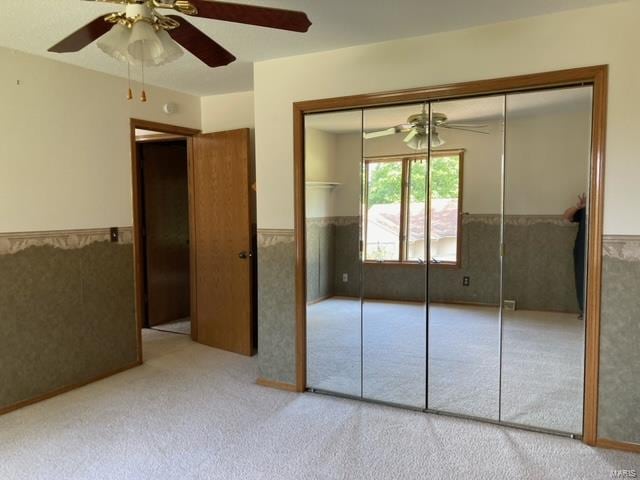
x=597, y=77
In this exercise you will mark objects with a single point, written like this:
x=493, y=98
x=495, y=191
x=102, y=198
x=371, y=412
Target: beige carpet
x=542, y=364
x=193, y=412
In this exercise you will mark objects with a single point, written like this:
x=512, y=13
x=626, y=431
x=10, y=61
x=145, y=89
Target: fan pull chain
x=130, y=94
x=143, y=95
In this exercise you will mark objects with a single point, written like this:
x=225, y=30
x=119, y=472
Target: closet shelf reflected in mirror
x=315, y=184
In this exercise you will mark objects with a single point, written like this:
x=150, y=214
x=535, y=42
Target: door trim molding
x=277, y=385
x=138, y=250
x=597, y=77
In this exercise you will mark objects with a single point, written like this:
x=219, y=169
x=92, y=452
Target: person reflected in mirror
x=578, y=214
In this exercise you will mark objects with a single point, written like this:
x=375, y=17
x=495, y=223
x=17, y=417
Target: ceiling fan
x=417, y=127
x=141, y=34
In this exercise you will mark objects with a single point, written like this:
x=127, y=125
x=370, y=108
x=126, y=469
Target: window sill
x=443, y=265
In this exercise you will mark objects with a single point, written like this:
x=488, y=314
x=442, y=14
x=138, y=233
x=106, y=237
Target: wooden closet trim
x=596, y=76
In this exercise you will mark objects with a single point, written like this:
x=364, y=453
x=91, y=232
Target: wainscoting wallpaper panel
x=320, y=258
x=619, y=404
x=480, y=262
x=67, y=309
x=533, y=285
x=277, y=305
x=347, y=256
x=538, y=264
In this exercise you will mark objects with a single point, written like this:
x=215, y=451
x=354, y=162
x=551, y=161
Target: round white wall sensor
x=169, y=108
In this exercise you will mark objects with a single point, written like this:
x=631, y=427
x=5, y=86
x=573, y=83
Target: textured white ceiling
x=35, y=25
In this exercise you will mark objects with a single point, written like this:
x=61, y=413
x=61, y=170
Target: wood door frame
x=138, y=240
x=597, y=77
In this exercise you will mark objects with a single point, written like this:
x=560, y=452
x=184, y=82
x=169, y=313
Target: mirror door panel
x=548, y=147
x=333, y=158
x=394, y=314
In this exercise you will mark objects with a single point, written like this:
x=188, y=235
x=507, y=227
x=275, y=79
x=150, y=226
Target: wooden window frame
x=403, y=239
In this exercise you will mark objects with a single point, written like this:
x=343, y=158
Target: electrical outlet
x=114, y=234
x=466, y=281
x=509, y=304
x=345, y=277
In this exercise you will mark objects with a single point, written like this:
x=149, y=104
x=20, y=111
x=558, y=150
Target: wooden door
x=221, y=212
x=166, y=230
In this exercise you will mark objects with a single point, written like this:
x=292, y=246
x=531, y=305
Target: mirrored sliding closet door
x=465, y=224
x=446, y=253
x=333, y=158
x=394, y=276
x=547, y=165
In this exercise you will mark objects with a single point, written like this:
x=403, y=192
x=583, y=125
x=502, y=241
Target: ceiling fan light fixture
x=141, y=44
x=138, y=34
x=172, y=51
x=419, y=141
x=145, y=46
x=436, y=139
x=115, y=43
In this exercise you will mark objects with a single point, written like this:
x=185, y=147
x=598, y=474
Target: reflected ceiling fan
x=417, y=127
x=141, y=34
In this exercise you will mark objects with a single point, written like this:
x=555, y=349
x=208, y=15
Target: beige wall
x=64, y=154
x=227, y=112
x=535, y=44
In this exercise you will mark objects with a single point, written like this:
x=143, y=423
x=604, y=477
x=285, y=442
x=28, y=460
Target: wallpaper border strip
x=622, y=247
x=12, y=243
x=269, y=237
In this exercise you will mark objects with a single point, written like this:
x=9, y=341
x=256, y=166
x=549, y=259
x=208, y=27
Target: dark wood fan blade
x=83, y=37
x=199, y=44
x=253, y=15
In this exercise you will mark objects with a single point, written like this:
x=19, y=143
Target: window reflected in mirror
x=396, y=204
x=384, y=221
